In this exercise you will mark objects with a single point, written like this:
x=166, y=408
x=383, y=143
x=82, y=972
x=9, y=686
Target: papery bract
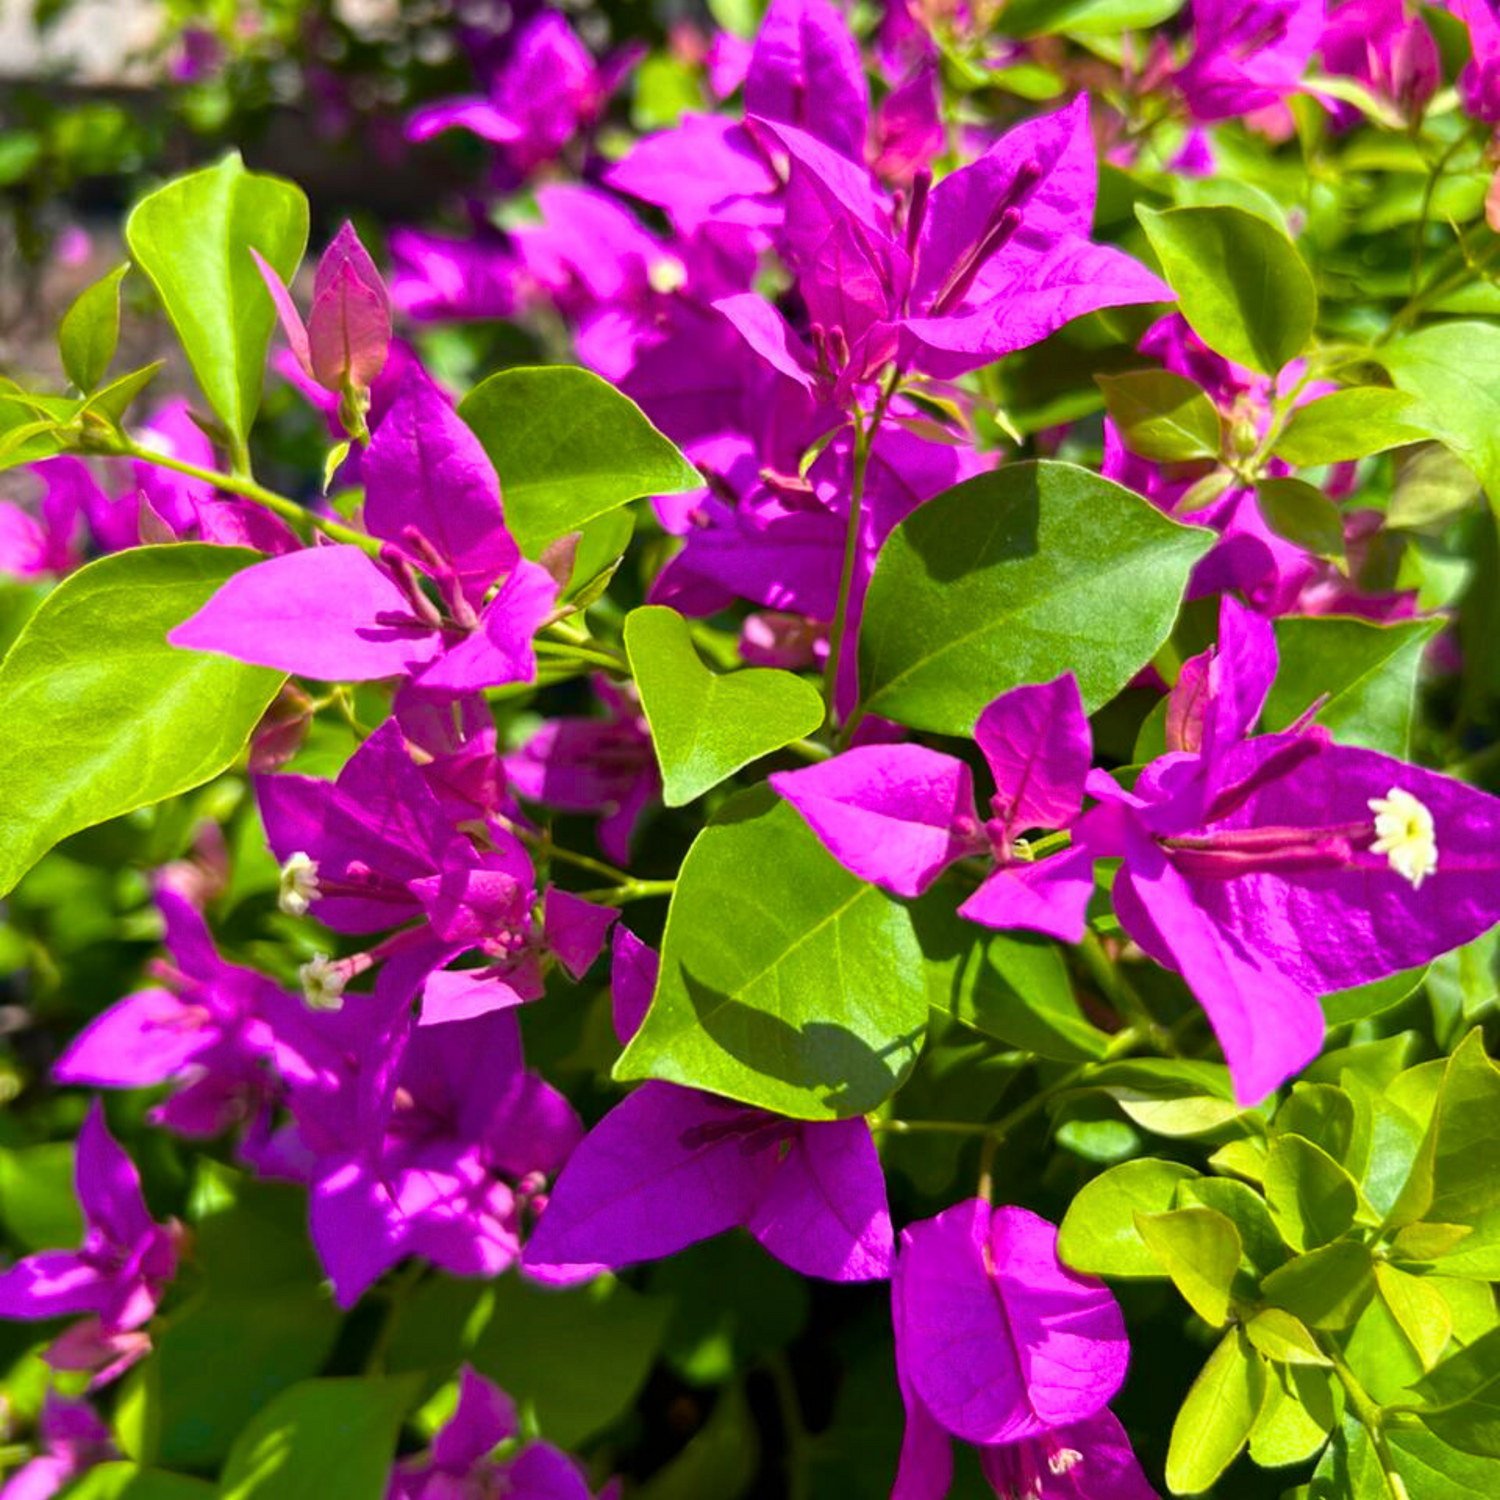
x=996, y=1338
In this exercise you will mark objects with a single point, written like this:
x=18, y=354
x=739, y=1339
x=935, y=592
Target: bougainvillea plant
x=877, y=876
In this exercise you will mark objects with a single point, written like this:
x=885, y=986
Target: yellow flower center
x=1405, y=835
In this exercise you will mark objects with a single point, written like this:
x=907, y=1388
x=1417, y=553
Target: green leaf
x=1161, y=415
x=90, y=329
x=785, y=981
x=1303, y=514
x=1349, y=424
x=1418, y=1308
x=568, y=447
x=1099, y=1231
x=1320, y=1113
x=1200, y=1250
x=1025, y=18
x=1453, y=1180
x=1326, y=1288
x=1373, y=999
x=1431, y=486
x=1017, y=576
x=1369, y=672
x=1239, y=281
x=1216, y=1416
x=1245, y=1208
x=1012, y=986
x=1461, y=1397
x=1288, y=1430
x=122, y=1481
x=1427, y=1467
x=1311, y=1197
x=320, y=1440
x=263, y=1298
x=1279, y=1336
x=99, y=715
x=1170, y=1096
x=579, y=1357
x=720, y=1459
x=37, y=1204
x=1454, y=369
x=704, y=726
x=193, y=238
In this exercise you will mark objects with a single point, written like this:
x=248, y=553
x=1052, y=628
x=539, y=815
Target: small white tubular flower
x=323, y=983
x=1064, y=1460
x=299, y=884
x=1405, y=835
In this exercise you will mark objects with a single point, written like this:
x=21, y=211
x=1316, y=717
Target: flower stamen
x=1404, y=833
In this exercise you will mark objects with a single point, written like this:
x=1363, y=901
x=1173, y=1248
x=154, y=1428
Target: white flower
x=299, y=884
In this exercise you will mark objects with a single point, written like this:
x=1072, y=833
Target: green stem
x=1370, y=1416
x=298, y=517
x=630, y=890
x=401, y=1285
x=864, y=438
x=593, y=654
x=1118, y=990
x=548, y=850
x=794, y=1428
x=1434, y=176
x=808, y=749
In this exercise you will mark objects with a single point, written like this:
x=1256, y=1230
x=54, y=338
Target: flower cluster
x=808, y=325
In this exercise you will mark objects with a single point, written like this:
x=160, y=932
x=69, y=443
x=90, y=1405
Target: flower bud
x=349, y=329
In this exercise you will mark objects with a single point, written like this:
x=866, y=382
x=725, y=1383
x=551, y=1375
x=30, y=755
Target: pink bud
x=348, y=333
x=349, y=330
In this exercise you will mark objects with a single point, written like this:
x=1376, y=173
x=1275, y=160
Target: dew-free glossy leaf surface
x=1454, y=369
x=579, y=1356
x=1099, y=1233
x=320, y=1440
x=1217, y=1415
x=704, y=725
x=1368, y=671
x=1018, y=576
x=568, y=447
x=785, y=981
x=1239, y=281
x=193, y=238
x=90, y=328
x=99, y=715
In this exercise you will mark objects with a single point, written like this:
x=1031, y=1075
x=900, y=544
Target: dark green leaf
x=99, y=715
x=568, y=447
x=1161, y=415
x=320, y=1440
x=1017, y=576
x=90, y=329
x=704, y=726
x=1369, y=672
x=193, y=238
x=1303, y=514
x=122, y=1481
x=579, y=1356
x=1239, y=281
x=1461, y=1397
x=37, y=1203
x=785, y=981
x=1012, y=986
